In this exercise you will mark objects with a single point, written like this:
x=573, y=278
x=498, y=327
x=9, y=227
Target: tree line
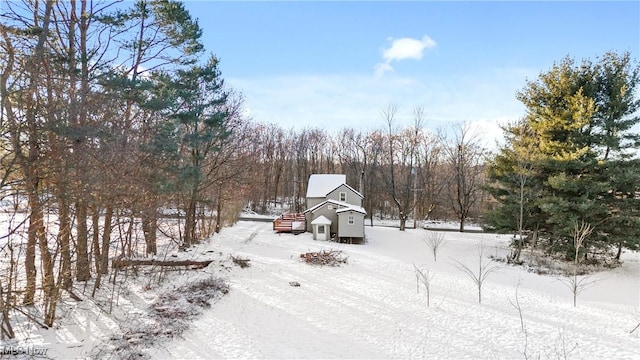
x=401, y=171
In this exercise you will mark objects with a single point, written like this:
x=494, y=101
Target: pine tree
x=581, y=118
x=199, y=114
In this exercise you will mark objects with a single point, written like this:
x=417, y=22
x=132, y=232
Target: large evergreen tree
x=202, y=118
x=580, y=163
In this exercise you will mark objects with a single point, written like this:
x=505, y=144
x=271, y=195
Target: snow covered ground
x=370, y=308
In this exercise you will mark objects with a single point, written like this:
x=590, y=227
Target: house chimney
x=361, y=187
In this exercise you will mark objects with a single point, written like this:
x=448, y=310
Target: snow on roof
x=359, y=209
x=330, y=201
x=321, y=220
x=322, y=184
x=343, y=207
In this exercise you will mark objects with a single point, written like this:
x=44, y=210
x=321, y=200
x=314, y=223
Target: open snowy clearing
x=369, y=307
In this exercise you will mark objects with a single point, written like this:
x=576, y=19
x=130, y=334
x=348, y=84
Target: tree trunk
x=149, y=225
x=30, y=164
x=5, y=324
x=83, y=270
x=106, y=240
x=95, y=237
x=520, y=245
x=64, y=236
x=219, y=213
x=48, y=280
x=403, y=221
x=619, y=252
x=30, y=253
x=190, y=222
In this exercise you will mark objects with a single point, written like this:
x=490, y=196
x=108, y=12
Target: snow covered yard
x=370, y=307
x=367, y=308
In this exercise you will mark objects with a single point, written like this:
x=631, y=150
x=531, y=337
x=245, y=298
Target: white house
x=334, y=209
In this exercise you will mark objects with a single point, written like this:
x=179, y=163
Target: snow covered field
x=368, y=308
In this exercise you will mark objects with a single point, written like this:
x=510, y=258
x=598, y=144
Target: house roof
x=330, y=201
x=357, y=209
x=344, y=207
x=322, y=184
x=321, y=220
x=349, y=187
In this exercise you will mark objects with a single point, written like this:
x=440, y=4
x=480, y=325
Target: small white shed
x=321, y=228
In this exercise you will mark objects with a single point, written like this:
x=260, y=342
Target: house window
x=321, y=229
x=351, y=220
x=343, y=196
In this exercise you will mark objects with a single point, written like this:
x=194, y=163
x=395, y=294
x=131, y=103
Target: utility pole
x=414, y=172
x=294, y=202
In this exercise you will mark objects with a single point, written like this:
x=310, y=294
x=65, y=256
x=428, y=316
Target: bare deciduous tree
x=485, y=268
x=575, y=283
x=516, y=305
x=402, y=149
x=424, y=276
x=435, y=241
x=465, y=156
x=430, y=175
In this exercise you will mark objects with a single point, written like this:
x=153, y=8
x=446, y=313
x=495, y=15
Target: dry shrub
x=243, y=263
x=169, y=316
x=231, y=212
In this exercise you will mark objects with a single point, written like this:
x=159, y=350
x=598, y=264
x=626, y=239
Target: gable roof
x=343, y=207
x=330, y=201
x=322, y=184
x=321, y=220
x=357, y=209
x=348, y=187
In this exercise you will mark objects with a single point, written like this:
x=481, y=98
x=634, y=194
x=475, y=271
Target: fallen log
x=121, y=263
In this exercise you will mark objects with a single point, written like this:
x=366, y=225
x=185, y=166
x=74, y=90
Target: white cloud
x=382, y=68
x=402, y=49
x=407, y=48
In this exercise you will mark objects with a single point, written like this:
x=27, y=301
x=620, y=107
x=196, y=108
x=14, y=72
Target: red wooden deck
x=290, y=222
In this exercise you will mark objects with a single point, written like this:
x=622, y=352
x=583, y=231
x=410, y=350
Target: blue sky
x=336, y=64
